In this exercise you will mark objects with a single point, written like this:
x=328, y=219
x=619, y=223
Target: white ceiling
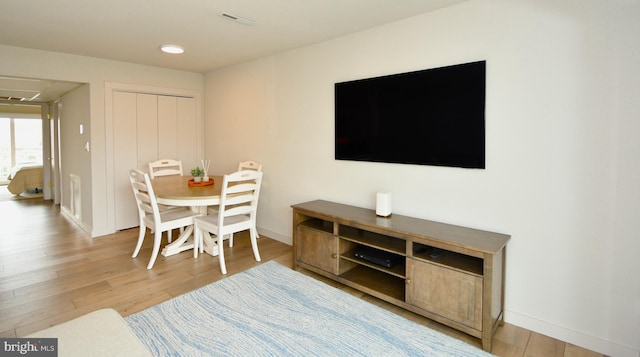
x=133, y=31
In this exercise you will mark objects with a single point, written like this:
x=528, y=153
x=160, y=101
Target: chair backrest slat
x=165, y=167
x=143, y=192
x=239, y=196
x=249, y=165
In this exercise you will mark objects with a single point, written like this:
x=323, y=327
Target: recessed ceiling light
x=173, y=49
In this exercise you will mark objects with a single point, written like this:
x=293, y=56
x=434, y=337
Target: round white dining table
x=176, y=191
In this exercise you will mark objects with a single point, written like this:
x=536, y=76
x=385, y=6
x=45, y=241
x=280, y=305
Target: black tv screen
x=428, y=117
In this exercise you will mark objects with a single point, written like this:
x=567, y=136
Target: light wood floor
x=51, y=272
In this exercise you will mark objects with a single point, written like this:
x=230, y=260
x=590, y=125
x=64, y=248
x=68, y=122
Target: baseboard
x=273, y=235
x=100, y=233
x=577, y=338
x=93, y=233
x=67, y=213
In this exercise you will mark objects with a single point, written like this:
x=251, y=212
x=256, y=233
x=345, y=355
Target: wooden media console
x=450, y=274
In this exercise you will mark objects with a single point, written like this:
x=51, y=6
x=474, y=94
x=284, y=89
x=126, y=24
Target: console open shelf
x=319, y=224
x=397, y=270
x=377, y=282
x=451, y=274
x=372, y=239
x=461, y=262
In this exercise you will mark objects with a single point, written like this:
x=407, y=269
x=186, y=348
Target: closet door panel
x=167, y=128
x=188, y=136
x=148, y=127
x=147, y=123
x=125, y=157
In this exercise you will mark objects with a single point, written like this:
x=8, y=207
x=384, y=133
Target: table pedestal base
x=210, y=245
x=185, y=242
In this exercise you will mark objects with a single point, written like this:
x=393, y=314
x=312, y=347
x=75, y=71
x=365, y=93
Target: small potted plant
x=197, y=174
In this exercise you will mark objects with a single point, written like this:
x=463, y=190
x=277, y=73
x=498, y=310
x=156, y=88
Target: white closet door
x=135, y=128
x=125, y=154
x=148, y=127
x=167, y=128
x=147, y=122
x=187, y=133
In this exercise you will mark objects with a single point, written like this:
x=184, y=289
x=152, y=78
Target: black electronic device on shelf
x=377, y=256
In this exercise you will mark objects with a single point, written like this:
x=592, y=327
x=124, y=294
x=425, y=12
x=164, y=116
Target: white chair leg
x=156, y=248
x=254, y=243
x=197, y=240
x=143, y=231
x=230, y=240
x=169, y=238
x=223, y=266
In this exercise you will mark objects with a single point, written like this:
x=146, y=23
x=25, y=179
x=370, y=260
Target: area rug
x=271, y=310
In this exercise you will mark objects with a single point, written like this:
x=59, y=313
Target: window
x=20, y=143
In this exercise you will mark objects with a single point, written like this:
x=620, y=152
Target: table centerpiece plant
x=197, y=174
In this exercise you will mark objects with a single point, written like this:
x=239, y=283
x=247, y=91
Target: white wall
x=623, y=292
x=562, y=151
x=74, y=112
x=22, y=62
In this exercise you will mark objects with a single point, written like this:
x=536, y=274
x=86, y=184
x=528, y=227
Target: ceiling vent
x=242, y=20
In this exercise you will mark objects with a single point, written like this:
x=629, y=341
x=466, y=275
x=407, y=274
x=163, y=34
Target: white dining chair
x=165, y=167
x=243, y=165
x=151, y=217
x=249, y=165
x=236, y=213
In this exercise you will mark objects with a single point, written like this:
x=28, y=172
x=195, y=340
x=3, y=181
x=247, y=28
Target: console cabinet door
x=316, y=248
x=446, y=292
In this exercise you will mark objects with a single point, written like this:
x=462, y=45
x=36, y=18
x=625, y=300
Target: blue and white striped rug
x=271, y=310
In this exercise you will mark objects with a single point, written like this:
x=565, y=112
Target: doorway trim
x=48, y=169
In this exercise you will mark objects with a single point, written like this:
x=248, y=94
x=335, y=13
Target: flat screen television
x=428, y=117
